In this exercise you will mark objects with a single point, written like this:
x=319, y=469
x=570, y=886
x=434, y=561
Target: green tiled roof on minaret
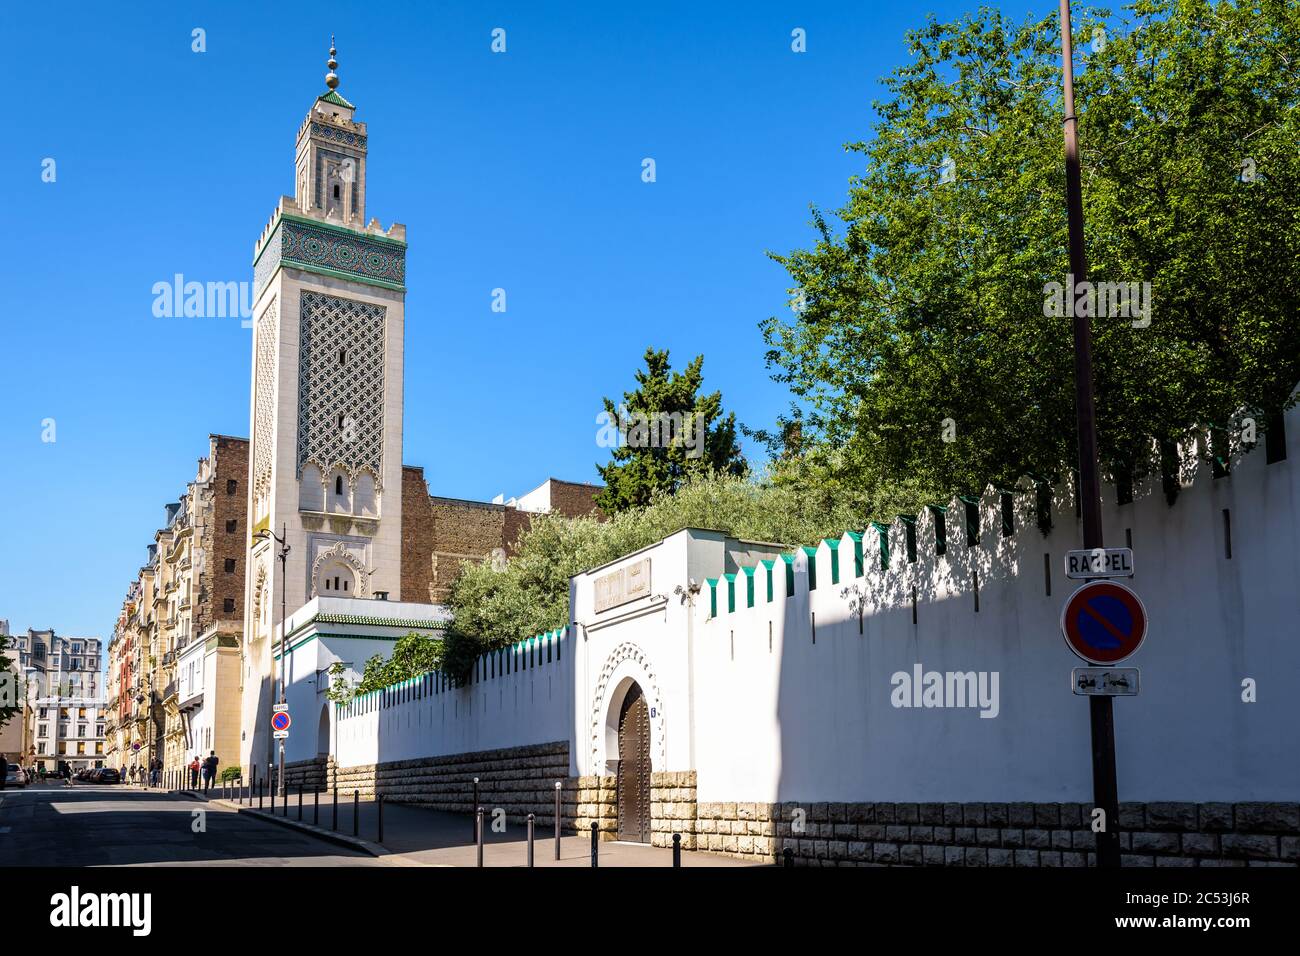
x=329, y=96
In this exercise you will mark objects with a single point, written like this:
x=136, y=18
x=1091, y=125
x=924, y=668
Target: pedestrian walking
x=155, y=774
x=194, y=772
x=210, y=770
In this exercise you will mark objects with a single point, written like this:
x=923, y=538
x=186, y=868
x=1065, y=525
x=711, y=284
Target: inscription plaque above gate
x=623, y=586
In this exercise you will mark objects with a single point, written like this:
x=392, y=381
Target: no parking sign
x=1104, y=622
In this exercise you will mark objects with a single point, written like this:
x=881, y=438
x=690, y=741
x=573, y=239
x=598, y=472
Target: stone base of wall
x=518, y=780
x=673, y=808
x=311, y=775
x=596, y=801
x=999, y=834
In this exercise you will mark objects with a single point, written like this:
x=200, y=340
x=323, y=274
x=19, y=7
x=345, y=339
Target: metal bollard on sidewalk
x=336, y=806
x=557, y=819
x=677, y=849
x=299, y=803
x=315, y=808
x=478, y=833
x=379, y=808
x=356, y=812
x=787, y=857
x=531, y=818
x=473, y=806
x=595, y=843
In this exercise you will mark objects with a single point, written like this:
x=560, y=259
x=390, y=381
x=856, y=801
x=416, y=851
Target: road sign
x=1104, y=622
x=135, y=746
x=1105, y=681
x=1099, y=563
x=281, y=735
x=281, y=720
x=279, y=708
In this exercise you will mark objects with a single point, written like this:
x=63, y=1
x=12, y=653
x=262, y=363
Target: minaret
x=326, y=400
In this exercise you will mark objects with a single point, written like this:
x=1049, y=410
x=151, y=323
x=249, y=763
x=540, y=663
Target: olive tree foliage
x=530, y=594
x=923, y=344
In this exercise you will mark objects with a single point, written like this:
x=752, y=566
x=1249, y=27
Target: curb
x=353, y=843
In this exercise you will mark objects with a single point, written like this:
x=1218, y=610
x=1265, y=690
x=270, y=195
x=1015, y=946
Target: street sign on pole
x=1104, y=622
x=280, y=735
x=280, y=722
x=279, y=708
x=1099, y=563
x=1104, y=681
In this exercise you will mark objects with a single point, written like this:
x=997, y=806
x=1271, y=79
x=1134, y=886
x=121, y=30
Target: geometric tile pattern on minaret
x=341, y=385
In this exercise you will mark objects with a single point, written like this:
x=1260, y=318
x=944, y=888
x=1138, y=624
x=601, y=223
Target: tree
x=663, y=433
x=413, y=655
x=530, y=595
x=925, y=344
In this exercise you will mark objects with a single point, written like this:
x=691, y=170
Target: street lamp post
x=1104, y=786
x=263, y=535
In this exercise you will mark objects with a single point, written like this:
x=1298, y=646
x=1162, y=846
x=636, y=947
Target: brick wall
x=230, y=464
x=462, y=530
x=573, y=498
x=417, y=537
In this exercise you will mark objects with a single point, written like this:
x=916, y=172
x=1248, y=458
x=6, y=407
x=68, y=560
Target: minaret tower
x=326, y=401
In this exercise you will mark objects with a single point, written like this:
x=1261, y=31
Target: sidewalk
x=422, y=837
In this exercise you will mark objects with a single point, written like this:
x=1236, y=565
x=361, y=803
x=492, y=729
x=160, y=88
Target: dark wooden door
x=634, y=768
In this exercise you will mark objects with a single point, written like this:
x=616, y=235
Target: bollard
x=531, y=817
x=356, y=811
x=336, y=806
x=557, y=819
x=473, y=805
x=272, y=782
x=478, y=828
x=595, y=843
x=788, y=856
x=261, y=789
x=379, y=808
x=315, y=808
x=300, y=803
x=677, y=849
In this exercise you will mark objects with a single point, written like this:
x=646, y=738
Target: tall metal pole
x=284, y=577
x=1105, y=790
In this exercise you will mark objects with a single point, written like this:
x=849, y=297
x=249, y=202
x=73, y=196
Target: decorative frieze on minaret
x=326, y=402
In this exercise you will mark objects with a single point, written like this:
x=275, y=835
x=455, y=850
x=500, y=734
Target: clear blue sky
x=519, y=171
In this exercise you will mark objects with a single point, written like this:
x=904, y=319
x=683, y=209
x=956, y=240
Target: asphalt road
x=87, y=825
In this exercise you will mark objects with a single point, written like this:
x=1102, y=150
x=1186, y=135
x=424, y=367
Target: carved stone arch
x=642, y=671
x=340, y=553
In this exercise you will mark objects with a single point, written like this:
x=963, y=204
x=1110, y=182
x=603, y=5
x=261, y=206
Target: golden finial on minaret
x=332, y=78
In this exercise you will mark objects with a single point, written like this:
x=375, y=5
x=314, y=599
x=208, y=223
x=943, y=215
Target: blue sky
x=519, y=170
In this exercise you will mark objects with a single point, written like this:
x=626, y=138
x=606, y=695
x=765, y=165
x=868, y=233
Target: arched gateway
x=634, y=767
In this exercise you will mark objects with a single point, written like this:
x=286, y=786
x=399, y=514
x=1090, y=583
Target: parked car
x=108, y=775
x=15, y=776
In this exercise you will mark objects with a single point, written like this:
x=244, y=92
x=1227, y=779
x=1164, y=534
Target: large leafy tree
x=664, y=433
x=922, y=300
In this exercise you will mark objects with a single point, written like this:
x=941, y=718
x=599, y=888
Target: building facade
x=65, y=702
x=187, y=602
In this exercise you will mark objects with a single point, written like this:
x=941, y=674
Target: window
x=44, y=712
x=81, y=748
x=228, y=604
x=40, y=747
x=99, y=730
x=42, y=730
x=38, y=651
x=81, y=730
x=343, y=356
x=338, y=485
x=231, y=486
x=336, y=190
x=230, y=565
x=232, y=525
x=81, y=712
